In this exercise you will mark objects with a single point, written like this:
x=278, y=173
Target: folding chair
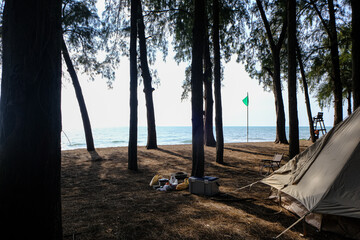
x=267, y=165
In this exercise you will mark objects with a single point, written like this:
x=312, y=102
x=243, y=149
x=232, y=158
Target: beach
x=102, y=199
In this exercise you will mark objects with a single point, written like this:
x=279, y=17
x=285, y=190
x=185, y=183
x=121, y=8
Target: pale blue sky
x=110, y=108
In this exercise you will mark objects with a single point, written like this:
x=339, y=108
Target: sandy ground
x=104, y=200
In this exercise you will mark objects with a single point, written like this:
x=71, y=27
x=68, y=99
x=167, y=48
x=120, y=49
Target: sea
x=119, y=136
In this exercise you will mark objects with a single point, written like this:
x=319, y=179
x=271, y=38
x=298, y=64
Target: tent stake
x=291, y=226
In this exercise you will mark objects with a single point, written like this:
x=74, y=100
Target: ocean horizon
x=167, y=135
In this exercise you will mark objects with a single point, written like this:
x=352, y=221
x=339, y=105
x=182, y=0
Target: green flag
x=246, y=101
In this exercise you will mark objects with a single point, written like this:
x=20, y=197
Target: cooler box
x=208, y=186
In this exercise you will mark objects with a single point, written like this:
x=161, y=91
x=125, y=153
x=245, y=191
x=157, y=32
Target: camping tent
x=324, y=180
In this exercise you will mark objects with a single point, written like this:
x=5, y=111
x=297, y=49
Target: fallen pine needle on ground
x=104, y=200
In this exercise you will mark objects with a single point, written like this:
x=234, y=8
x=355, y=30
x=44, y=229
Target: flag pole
x=247, y=118
x=246, y=102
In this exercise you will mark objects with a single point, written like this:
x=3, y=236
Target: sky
x=110, y=107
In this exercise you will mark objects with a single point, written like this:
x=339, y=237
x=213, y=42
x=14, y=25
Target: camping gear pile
x=178, y=181
x=322, y=184
x=208, y=186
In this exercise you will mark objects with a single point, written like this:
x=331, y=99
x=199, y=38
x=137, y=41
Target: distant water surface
x=119, y=136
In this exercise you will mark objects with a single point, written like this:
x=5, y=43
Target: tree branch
x=283, y=33
x=269, y=71
x=314, y=50
x=149, y=12
x=321, y=18
x=300, y=12
x=266, y=23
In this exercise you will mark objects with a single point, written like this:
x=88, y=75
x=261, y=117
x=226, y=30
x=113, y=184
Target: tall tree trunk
x=355, y=35
x=291, y=47
x=148, y=89
x=335, y=72
x=279, y=102
x=209, y=102
x=197, y=90
x=306, y=93
x=217, y=86
x=132, y=148
x=80, y=98
x=349, y=111
x=276, y=75
x=30, y=120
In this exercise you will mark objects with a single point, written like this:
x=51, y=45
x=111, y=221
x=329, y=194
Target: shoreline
x=117, y=137
x=305, y=142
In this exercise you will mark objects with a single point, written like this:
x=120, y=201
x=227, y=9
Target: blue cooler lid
x=205, y=178
x=210, y=178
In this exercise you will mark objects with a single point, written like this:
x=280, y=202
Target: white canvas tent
x=324, y=180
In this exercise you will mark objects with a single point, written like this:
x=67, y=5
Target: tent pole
x=249, y=186
x=300, y=219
